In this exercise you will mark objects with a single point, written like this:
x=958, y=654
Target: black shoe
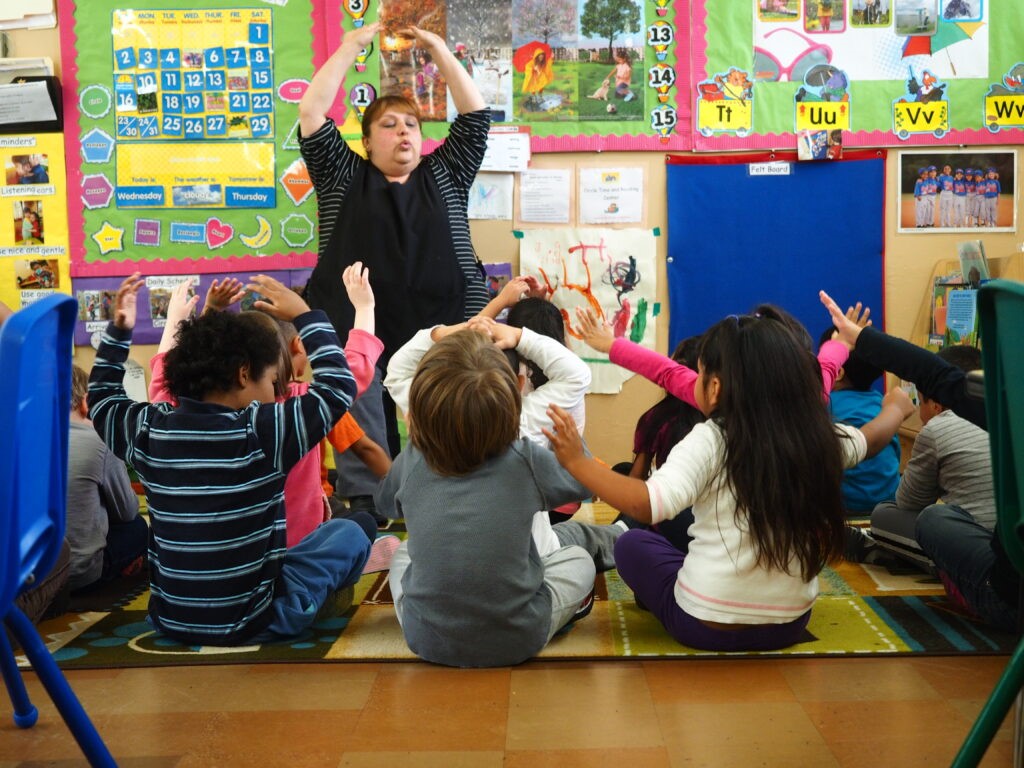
x=860, y=547
x=365, y=504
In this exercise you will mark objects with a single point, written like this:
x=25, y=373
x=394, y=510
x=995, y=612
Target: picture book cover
x=962, y=317
x=973, y=264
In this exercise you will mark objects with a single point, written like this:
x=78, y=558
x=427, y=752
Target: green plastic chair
x=1001, y=313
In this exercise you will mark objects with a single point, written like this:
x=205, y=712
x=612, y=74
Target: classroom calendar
x=194, y=103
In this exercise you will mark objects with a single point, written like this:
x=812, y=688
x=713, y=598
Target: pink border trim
x=787, y=141
x=203, y=264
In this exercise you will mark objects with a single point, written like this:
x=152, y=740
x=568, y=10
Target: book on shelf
x=962, y=317
x=973, y=264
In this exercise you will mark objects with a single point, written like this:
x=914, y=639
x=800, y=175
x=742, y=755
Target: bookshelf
x=1009, y=267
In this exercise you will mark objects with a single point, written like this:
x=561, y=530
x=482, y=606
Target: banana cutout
x=262, y=236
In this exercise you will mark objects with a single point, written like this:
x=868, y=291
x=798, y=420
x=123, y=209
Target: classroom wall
x=909, y=260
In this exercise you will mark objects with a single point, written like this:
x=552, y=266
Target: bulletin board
x=182, y=135
x=761, y=228
x=33, y=219
x=883, y=72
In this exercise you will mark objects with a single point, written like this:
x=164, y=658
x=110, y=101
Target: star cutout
x=109, y=238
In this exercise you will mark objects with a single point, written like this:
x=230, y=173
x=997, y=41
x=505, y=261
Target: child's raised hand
x=536, y=289
x=898, y=397
x=126, y=301
x=514, y=290
x=357, y=285
x=564, y=437
x=847, y=328
x=222, y=294
x=859, y=315
x=597, y=334
x=278, y=300
x=180, y=306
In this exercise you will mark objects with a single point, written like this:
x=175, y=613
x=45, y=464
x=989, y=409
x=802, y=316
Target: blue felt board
x=736, y=239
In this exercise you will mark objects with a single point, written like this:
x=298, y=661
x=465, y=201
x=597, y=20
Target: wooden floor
x=902, y=712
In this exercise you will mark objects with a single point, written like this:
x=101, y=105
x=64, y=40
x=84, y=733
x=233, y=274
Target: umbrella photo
x=526, y=52
x=947, y=33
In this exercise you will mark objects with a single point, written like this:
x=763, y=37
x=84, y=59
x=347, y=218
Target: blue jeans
x=650, y=564
x=330, y=557
x=961, y=549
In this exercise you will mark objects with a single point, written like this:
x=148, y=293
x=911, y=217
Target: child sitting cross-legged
x=214, y=469
x=763, y=477
x=469, y=586
x=548, y=373
x=854, y=402
x=306, y=504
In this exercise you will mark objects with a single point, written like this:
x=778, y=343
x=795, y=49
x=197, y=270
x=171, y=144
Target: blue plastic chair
x=35, y=404
x=1001, y=313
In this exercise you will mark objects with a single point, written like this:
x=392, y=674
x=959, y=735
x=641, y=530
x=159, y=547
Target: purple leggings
x=649, y=564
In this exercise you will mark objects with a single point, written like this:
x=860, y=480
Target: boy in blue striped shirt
x=214, y=469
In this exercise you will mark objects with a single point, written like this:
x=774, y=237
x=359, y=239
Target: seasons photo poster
x=581, y=74
x=610, y=271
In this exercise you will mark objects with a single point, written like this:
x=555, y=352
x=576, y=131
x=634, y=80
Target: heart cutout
x=218, y=233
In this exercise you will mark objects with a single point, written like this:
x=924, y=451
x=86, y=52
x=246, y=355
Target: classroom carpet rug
x=861, y=611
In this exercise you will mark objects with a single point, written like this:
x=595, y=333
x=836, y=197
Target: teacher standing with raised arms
x=403, y=215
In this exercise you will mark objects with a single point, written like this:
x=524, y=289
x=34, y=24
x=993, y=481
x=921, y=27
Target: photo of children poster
x=27, y=169
x=94, y=306
x=870, y=13
x=37, y=274
x=28, y=222
x=957, y=191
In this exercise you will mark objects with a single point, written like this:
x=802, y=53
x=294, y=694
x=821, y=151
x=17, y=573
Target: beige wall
x=909, y=260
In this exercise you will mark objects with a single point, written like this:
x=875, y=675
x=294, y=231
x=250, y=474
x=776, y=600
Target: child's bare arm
x=896, y=407
x=357, y=284
x=179, y=308
x=626, y=494
x=372, y=455
x=512, y=291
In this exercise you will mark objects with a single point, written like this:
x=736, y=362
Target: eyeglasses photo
x=768, y=68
